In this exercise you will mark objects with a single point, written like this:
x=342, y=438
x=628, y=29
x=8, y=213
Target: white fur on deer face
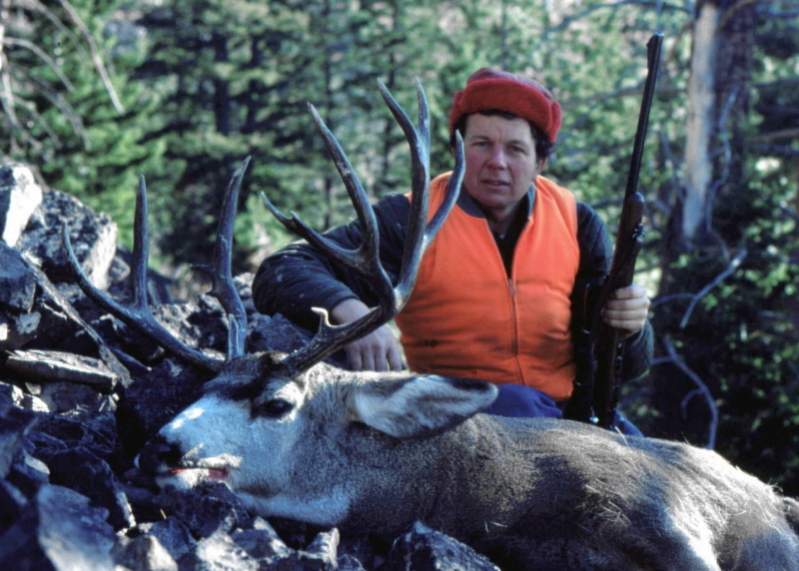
x=287, y=447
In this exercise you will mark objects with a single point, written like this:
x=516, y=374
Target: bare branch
x=784, y=151
x=95, y=54
x=3, y=20
x=677, y=361
x=31, y=110
x=48, y=14
x=57, y=100
x=661, y=299
x=776, y=135
x=728, y=271
x=42, y=55
x=8, y=99
x=733, y=11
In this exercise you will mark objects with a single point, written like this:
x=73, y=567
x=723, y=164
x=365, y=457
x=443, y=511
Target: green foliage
x=84, y=145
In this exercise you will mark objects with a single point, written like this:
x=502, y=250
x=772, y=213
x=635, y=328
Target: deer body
x=375, y=453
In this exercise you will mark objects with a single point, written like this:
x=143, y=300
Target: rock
x=62, y=328
x=93, y=239
x=172, y=534
x=19, y=198
x=12, y=504
x=82, y=471
x=218, y=552
x=208, y=508
x=261, y=542
x=424, y=549
x=29, y=474
x=322, y=553
x=58, y=530
x=144, y=553
x=20, y=399
x=58, y=433
x=356, y=553
x=14, y=423
x=45, y=366
x=75, y=399
x=16, y=331
x=17, y=281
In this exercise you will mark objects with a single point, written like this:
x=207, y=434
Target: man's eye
x=274, y=408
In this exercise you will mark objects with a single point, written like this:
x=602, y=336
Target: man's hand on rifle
x=627, y=310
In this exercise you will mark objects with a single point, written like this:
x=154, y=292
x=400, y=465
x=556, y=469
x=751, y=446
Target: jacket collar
x=470, y=206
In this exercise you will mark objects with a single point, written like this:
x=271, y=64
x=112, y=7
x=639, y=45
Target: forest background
x=96, y=92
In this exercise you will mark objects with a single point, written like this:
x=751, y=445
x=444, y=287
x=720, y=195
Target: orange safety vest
x=466, y=318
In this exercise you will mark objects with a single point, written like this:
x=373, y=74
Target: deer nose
x=157, y=453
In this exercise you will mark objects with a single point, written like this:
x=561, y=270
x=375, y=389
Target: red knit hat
x=491, y=88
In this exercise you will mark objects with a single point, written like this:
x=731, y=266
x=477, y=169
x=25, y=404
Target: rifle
x=607, y=343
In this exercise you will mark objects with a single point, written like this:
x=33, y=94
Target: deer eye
x=273, y=408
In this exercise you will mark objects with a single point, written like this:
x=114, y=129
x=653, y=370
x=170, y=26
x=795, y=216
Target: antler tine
x=223, y=288
x=420, y=233
x=453, y=191
x=141, y=247
x=329, y=338
x=139, y=317
x=364, y=258
x=424, y=235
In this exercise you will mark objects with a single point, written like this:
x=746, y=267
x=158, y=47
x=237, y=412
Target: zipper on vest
x=515, y=333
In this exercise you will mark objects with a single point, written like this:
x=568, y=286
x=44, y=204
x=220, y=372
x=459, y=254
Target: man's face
x=501, y=163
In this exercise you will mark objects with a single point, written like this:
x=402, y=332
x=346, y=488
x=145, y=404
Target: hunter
x=500, y=292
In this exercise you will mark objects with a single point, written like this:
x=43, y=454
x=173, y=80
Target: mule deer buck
x=297, y=438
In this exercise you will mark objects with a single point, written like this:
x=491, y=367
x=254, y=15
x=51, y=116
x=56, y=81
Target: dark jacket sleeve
x=595, y=261
x=299, y=277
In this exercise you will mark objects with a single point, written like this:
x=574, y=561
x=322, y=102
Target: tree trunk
x=721, y=62
x=701, y=120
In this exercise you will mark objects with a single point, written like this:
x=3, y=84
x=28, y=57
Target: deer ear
x=419, y=406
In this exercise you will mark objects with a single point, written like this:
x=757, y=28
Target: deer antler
x=365, y=259
x=139, y=315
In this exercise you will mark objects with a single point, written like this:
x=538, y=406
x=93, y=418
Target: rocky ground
x=79, y=395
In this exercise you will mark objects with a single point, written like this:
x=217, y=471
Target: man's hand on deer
x=380, y=350
x=627, y=309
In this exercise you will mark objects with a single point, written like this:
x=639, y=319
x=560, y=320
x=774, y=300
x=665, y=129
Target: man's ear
x=418, y=406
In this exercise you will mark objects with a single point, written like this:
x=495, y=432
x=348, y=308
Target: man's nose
x=498, y=158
